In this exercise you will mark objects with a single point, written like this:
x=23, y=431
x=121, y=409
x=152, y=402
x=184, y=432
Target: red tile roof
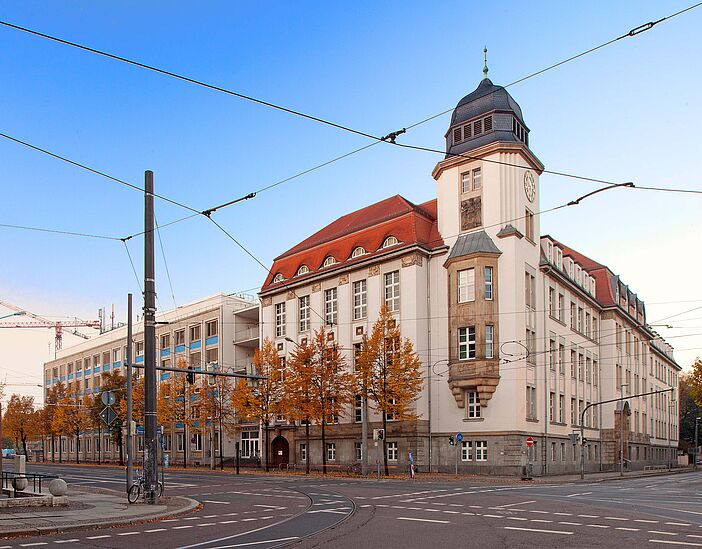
x=368, y=227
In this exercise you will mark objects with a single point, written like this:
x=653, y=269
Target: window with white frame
x=358, y=252
x=465, y=182
x=195, y=333
x=488, y=282
x=390, y=241
x=278, y=278
x=330, y=306
x=467, y=450
x=249, y=444
x=360, y=299
x=392, y=451
x=211, y=328
x=477, y=179
x=392, y=290
x=280, y=319
x=179, y=442
x=472, y=404
x=358, y=450
x=561, y=408
x=530, y=402
x=481, y=450
x=466, y=285
x=329, y=261
x=304, y=303
x=489, y=339
x=303, y=452
x=390, y=413
x=466, y=343
x=552, y=406
x=331, y=451
x=304, y=269
x=358, y=409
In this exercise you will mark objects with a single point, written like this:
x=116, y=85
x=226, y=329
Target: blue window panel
x=116, y=365
x=180, y=399
x=56, y=380
x=196, y=423
x=179, y=426
x=88, y=391
x=96, y=370
x=193, y=397
x=180, y=349
x=63, y=378
x=105, y=367
x=70, y=376
x=140, y=358
x=48, y=382
x=165, y=376
x=80, y=393
x=165, y=352
x=211, y=341
x=196, y=344
x=79, y=374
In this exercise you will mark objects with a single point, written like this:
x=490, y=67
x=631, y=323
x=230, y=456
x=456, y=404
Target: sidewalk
x=88, y=508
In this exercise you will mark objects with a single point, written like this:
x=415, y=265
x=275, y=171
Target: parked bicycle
x=354, y=468
x=138, y=489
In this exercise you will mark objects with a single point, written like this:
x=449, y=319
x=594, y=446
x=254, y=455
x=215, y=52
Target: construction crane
x=41, y=322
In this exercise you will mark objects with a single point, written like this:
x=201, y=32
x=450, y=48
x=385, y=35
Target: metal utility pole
x=150, y=442
x=621, y=433
x=128, y=358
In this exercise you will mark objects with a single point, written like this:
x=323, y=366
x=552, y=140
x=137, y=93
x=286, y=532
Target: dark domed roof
x=487, y=114
x=485, y=98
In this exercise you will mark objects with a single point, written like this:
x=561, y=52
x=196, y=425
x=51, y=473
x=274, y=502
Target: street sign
x=529, y=442
x=108, y=415
x=459, y=437
x=139, y=430
x=108, y=398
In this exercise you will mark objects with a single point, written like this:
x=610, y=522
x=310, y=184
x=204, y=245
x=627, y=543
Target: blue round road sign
x=459, y=437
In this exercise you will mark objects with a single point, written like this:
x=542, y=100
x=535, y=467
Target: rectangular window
x=552, y=302
x=530, y=290
x=358, y=409
x=466, y=343
x=359, y=300
x=467, y=450
x=561, y=359
x=580, y=367
x=195, y=333
x=331, y=451
x=392, y=451
x=179, y=337
x=211, y=327
x=304, y=304
x=303, y=452
x=530, y=338
x=489, y=336
x=473, y=404
x=392, y=290
x=477, y=179
x=561, y=408
x=330, y=306
x=561, y=304
x=166, y=341
x=529, y=225
x=531, y=402
x=249, y=444
x=466, y=285
x=573, y=412
x=552, y=357
x=280, y=319
x=488, y=283
x=465, y=182
x=552, y=406
x=358, y=450
x=481, y=450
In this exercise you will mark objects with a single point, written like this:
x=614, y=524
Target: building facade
x=220, y=329
x=518, y=334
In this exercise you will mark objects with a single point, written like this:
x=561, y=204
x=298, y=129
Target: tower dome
x=487, y=114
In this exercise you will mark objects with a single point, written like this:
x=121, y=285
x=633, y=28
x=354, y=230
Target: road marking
x=55, y=541
x=540, y=512
x=228, y=521
x=663, y=533
x=181, y=527
x=250, y=543
x=155, y=530
x=128, y=534
x=105, y=536
x=538, y=530
x=648, y=521
x=33, y=544
x=494, y=516
x=693, y=536
x=272, y=506
x=597, y=525
x=589, y=516
x=424, y=520
x=570, y=523
x=212, y=501
x=170, y=520
x=564, y=514
x=210, y=516
x=678, y=524
x=399, y=495
x=671, y=542
x=615, y=518
x=212, y=523
x=627, y=529
x=516, y=518
x=539, y=520
x=513, y=504
x=579, y=494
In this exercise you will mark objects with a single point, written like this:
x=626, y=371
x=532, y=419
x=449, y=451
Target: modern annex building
x=517, y=332
x=220, y=329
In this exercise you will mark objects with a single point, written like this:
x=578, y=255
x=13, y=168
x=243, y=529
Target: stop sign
x=529, y=442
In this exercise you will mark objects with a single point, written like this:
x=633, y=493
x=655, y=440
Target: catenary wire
x=57, y=231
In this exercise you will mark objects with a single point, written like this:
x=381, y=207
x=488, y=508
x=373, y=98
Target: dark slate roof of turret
x=473, y=243
x=487, y=97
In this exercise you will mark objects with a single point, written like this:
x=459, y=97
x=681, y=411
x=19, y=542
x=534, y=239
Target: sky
x=627, y=112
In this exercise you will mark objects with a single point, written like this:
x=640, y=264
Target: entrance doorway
x=280, y=451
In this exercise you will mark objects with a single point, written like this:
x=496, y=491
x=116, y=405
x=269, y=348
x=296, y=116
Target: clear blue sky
x=628, y=112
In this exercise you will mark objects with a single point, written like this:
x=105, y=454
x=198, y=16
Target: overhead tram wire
x=165, y=262
x=58, y=231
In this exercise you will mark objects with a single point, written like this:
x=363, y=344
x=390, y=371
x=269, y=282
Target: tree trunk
x=77, y=446
x=324, y=448
x=24, y=445
x=99, y=445
x=267, y=447
x=385, y=454
x=307, y=446
x=364, y=436
x=53, y=449
x=185, y=445
x=60, y=448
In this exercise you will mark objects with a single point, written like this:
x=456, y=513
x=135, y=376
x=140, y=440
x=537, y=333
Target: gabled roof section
x=473, y=243
x=409, y=223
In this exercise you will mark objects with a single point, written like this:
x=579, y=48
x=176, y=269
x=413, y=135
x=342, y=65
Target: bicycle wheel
x=133, y=493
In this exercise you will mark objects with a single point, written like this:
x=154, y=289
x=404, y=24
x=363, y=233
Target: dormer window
x=329, y=261
x=278, y=278
x=390, y=241
x=304, y=269
x=358, y=252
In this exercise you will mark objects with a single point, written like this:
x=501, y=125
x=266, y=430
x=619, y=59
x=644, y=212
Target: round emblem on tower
x=529, y=186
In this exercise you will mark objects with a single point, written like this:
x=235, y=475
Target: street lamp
x=621, y=432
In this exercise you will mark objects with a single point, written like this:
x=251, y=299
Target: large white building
x=517, y=333
x=221, y=329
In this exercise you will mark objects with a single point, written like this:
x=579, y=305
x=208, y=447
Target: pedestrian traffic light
x=211, y=380
x=381, y=434
x=191, y=376
x=451, y=441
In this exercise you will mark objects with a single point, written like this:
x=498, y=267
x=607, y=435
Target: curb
x=678, y=471
x=190, y=505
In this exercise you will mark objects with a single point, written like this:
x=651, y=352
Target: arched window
x=278, y=278
x=304, y=269
x=390, y=241
x=358, y=252
x=329, y=261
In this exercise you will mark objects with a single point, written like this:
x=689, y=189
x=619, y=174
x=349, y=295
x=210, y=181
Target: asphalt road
x=269, y=511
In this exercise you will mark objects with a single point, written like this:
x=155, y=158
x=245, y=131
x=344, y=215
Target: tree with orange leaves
x=389, y=373
x=297, y=387
x=261, y=398
x=72, y=418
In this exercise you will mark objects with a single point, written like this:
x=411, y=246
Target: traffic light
x=212, y=367
x=381, y=434
x=191, y=376
x=451, y=441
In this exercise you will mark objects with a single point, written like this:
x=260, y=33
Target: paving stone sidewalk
x=89, y=508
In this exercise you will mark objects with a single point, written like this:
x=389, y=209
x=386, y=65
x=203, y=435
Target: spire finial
x=485, y=67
